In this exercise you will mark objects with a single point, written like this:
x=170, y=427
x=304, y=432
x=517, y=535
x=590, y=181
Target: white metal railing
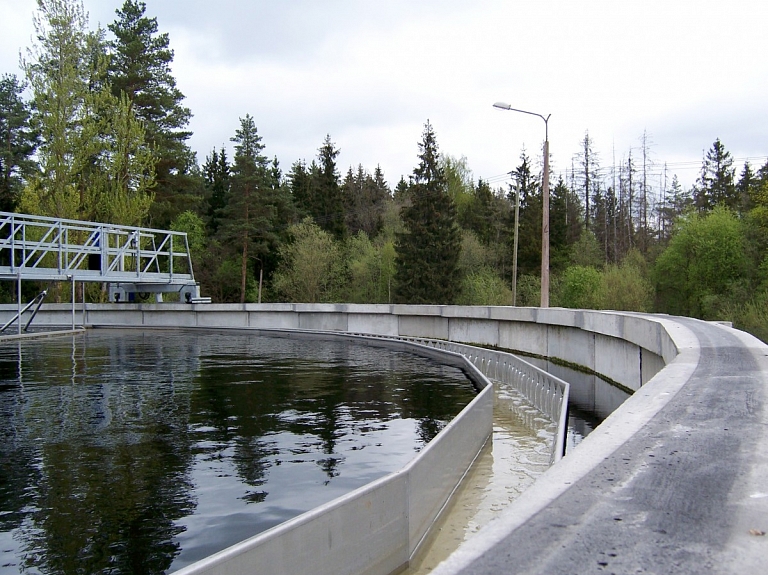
x=546, y=392
x=51, y=249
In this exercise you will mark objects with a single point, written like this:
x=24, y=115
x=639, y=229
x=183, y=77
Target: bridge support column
x=18, y=299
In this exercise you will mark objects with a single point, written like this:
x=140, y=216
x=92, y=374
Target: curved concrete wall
x=622, y=347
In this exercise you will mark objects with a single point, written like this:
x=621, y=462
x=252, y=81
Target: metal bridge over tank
x=131, y=260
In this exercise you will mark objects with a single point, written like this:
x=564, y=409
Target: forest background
x=97, y=130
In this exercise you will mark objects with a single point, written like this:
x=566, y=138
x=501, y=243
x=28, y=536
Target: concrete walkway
x=676, y=481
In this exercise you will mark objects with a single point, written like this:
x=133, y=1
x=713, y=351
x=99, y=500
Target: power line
x=656, y=168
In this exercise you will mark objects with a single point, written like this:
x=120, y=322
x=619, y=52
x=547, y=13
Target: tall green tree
x=365, y=199
x=140, y=68
x=716, y=183
x=428, y=251
x=216, y=174
x=565, y=224
x=529, y=244
x=300, y=186
x=328, y=204
x=17, y=142
x=57, y=67
x=249, y=222
x=745, y=187
x=94, y=161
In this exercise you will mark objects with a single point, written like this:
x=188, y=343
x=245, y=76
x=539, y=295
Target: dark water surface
x=140, y=452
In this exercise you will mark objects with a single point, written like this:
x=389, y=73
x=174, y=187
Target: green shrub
x=580, y=288
x=484, y=287
x=625, y=287
x=704, y=266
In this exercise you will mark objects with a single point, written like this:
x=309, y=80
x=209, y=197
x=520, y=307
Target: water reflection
x=139, y=452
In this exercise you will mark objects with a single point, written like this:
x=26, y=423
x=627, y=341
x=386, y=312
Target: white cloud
x=371, y=73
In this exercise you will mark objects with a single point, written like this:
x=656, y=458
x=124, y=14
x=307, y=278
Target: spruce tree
x=364, y=201
x=715, y=185
x=744, y=188
x=428, y=251
x=217, y=182
x=300, y=186
x=328, y=203
x=565, y=223
x=250, y=216
x=529, y=232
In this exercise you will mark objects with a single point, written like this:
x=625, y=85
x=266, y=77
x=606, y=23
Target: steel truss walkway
x=129, y=259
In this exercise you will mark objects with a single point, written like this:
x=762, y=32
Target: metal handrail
x=44, y=248
x=546, y=392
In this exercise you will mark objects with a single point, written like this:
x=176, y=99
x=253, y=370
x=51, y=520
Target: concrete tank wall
x=623, y=347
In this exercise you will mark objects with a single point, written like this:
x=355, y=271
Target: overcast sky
x=371, y=73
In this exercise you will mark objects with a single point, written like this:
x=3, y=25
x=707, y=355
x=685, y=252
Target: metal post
x=74, y=298
x=261, y=277
x=18, y=298
x=514, y=259
x=545, y=227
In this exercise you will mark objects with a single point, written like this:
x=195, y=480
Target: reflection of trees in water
x=102, y=453
x=433, y=403
x=17, y=470
x=321, y=389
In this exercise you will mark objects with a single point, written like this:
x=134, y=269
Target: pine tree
x=140, y=68
x=565, y=224
x=745, y=188
x=428, y=251
x=17, y=142
x=678, y=203
x=300, y=185
x=400, y=193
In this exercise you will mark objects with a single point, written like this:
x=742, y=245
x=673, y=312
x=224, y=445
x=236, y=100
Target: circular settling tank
x=142, y=451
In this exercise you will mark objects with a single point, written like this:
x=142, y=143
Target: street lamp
x=544, y=204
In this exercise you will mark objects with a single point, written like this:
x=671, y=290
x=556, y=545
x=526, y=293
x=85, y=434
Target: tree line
x=97, y=130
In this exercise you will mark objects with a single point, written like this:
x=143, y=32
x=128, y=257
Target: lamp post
x=514, y=256
x=544, y=204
